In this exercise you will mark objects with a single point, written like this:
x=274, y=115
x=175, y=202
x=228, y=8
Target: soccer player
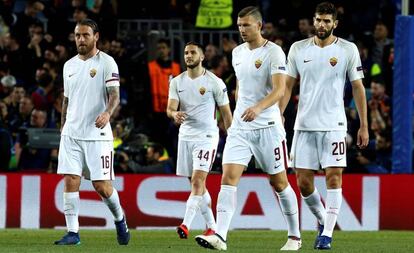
x=192, y=100
x=256, y=129
x=322, y=62
x=91, y=94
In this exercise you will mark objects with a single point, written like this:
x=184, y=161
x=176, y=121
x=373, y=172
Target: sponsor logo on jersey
x=225, y=90
x=281, y=68
x=115, y=75
x=202, y=90
x=333, y=61
x=92, y=72
x=359, y=68
x=258, y=63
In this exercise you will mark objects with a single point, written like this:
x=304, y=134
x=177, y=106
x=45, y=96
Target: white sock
x=193, y=204
x=71, y=203
x=114, y=205
x=207, y=212
x=226, y=205
x=289, y=204
x=315, y=205
x=333, y=205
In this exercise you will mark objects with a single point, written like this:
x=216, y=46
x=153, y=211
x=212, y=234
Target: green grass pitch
x=19, y=240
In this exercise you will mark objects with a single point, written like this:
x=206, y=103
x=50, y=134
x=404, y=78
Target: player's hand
x=250, y=114
x=102, y=120
x=363, y=137
x=179, y=117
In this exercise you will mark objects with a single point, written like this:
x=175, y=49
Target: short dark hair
x=157, y=148
x=89, y=22
x=326, y=8
x=164, y=41
x=251, y=11
x=192, y=43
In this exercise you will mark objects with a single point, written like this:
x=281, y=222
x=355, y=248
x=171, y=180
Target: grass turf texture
x=18, y=240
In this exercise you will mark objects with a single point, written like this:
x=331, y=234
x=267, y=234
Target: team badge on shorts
x=258, y=63
x=92, y=72
x=202, y=90
x=333, y=61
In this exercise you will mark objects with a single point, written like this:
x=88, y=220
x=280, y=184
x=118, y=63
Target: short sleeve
x=111, y=73
x=220, y=93
x=277, y=61
x=355, y=70
x=291, y=62
x=172, y=91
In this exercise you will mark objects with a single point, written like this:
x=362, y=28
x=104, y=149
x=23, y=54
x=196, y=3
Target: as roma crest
x=92, y=72
x=333, y=61
x=202, y=90
x=258, y=63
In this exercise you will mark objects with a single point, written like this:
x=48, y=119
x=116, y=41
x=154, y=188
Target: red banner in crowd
x=370, y=202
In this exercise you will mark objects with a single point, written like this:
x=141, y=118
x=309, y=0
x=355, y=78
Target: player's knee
x=279, y=185
x=197, y=184
x=103, y=190
x=334, y=182
x=229, y=181
x=72, y=183
x=306, y=187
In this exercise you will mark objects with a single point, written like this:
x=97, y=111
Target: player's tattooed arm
x=113, y=102
x=65, y=104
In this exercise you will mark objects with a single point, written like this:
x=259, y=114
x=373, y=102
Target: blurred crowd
x=36, y=38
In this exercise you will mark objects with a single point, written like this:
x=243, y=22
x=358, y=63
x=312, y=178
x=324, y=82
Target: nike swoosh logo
x=180, y=91
x=238, y=63
x=339, y=159
x=277, y=166
x=306, y=61
x=105, y=173
x=70, y=75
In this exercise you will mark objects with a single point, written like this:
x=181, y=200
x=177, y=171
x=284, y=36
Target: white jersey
x=85, y=84
x=254, y=70
x=322, y=73
x=198, y=98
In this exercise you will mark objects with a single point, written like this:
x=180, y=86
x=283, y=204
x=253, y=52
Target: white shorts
x=267, y=145
x=318, y=149
x=91, y=159
x=195, y=155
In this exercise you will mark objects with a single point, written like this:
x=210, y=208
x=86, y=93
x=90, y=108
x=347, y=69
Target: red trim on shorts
x=213, y=156
x=112, y=168
x=284, y=154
